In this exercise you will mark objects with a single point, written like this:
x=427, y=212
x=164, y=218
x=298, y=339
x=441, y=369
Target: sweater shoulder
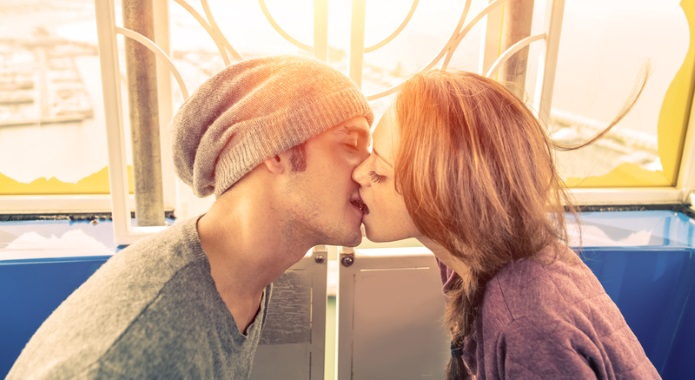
x=539, y=285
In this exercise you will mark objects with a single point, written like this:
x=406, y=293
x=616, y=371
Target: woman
x=462, y=165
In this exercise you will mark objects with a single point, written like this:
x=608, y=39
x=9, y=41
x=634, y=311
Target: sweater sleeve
x=527, y=349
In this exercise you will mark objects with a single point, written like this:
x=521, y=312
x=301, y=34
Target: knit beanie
x=253, y=110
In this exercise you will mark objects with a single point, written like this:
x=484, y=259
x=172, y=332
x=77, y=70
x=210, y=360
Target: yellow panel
x=97, y=183
x=673, y=120
x=623, y=175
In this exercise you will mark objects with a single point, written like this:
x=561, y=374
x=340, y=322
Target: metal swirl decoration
x=395, y=32
x=154, y=48
x=443, y=57
x=512, y=50
x=214, y=32
x=451, y=44
x=218, y=32
x=281, y=31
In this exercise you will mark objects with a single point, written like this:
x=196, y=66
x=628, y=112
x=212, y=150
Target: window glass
x=52, y=129
x=52, y=134
x=603, y=47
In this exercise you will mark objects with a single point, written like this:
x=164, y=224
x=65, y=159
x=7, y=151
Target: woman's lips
x=360, y=206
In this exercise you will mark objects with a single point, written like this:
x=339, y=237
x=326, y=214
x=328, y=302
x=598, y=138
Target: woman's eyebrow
x=382, y=158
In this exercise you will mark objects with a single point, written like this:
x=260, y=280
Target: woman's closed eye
x=376, y=177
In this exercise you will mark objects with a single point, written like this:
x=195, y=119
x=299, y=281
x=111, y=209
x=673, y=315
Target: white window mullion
x=124, y=232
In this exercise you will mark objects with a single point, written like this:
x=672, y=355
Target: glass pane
x=52, y=134
x=604, y=46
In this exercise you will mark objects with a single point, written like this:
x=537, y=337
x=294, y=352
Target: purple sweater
x=551, y=321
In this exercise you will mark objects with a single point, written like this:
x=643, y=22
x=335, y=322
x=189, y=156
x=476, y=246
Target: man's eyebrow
x=349, y=129
x=381, y=157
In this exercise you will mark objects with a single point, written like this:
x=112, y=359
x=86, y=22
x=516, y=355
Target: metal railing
x=108, y=29
x=497, y=50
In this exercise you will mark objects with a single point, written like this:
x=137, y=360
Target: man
x=275, y=140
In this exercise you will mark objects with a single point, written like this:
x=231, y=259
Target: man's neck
x=246, y=252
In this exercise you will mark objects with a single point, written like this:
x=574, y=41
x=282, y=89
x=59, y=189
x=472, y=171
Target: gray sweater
x=151, y=311
x=551, y=321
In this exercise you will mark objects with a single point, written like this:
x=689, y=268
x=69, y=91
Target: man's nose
x=363, y=156
x=357, y=159
x=359, y=174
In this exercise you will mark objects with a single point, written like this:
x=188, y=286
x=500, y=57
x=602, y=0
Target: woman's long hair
x=476, y=170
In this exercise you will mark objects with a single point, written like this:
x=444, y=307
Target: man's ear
x=277, y=164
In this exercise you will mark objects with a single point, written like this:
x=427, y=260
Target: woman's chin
x=378, y=235
x=373, y=234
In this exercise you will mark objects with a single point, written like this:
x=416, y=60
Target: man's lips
x=360, y=206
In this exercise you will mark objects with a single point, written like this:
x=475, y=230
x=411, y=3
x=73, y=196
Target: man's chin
x=353, y=239
x=345, y=239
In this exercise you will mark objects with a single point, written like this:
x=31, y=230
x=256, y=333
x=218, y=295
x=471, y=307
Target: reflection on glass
x=52, y=134
x=603, y=47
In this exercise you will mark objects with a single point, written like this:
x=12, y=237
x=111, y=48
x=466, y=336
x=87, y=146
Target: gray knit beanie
x=253, y=110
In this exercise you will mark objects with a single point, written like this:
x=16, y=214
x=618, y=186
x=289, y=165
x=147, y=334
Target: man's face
x=323, y=197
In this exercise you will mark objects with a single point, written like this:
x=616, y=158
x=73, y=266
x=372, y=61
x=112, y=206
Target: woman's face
x=387, y=218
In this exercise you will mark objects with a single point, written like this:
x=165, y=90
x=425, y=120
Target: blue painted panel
x=681, y=364
x=29, y=291
x=651, y=286
x=644, y=259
